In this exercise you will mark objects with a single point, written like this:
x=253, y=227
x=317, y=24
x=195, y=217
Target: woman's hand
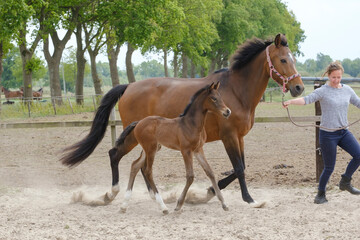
x=286, y=103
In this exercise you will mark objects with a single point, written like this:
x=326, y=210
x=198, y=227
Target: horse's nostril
x=298, y=88
x=227, y=113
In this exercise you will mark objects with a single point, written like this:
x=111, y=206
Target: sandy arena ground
x=36, y=191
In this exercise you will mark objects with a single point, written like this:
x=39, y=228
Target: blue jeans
x=328, y=145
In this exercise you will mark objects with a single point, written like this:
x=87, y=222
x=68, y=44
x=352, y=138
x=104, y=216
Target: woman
x=334, y=98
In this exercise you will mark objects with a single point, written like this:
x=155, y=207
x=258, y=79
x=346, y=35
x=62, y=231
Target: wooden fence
x=113, y=123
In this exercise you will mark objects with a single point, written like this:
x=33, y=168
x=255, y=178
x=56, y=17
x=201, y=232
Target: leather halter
x=272, y=69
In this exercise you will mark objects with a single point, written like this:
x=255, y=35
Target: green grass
x=44, y=108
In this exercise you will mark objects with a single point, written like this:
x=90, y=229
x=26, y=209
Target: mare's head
x=214, y=102
x=282, y=68
x=279, y=62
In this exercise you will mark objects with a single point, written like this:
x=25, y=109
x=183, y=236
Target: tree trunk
x=80, y=64
x=203, y=72
x=192, y=70
x=212, y=66
x=176, y=66
x=184, y=65
x=95, y=77
x=165, y=63
x=1, y=67
x=26, y=55
x=129, y=66
x=53, y=62
x=113, y=54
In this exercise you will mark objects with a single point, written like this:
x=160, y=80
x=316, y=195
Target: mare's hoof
x=225, y=208
x=257, y=204
x=165, y=212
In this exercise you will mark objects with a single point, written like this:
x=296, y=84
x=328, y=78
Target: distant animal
x=9, y=102
x=12, y=94
x=37, y=95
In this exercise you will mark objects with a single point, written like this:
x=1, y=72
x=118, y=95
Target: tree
x=322, y=61
x=13, y=15
x=113, y=49
x=244, y=19
x=56, y=13
x=200, y=30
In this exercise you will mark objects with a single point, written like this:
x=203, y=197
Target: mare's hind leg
x=205, y=165
x=188, y=160
x=148, y=174
x=115, y=154
x=135, y=167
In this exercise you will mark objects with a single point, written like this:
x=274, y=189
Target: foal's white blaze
x=291, y=57
x=126, y=200
x=161, y=203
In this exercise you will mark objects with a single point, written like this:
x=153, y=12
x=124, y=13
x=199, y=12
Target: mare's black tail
x=81, y=150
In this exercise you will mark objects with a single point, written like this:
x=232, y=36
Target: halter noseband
x=272, y=69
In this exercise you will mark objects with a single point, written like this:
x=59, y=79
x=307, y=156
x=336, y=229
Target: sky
x=332, y=27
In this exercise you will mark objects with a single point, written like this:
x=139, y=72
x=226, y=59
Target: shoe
x=345, y=184
x=320, y=197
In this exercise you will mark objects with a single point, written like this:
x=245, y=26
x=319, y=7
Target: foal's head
x=214, y=102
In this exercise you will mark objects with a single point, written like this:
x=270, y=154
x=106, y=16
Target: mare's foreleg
x=200, y=156
x=188, y=160
x=234, y=147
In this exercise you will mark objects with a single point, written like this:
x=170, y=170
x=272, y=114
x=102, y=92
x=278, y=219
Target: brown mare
x=12, y=94
x=242, y=86
x=37, y=95
x=185, y=134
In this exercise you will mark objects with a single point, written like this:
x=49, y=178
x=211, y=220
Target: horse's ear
x=217, y=85
x=277, y=40
x=211, y=86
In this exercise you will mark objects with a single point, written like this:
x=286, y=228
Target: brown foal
x=185, y=133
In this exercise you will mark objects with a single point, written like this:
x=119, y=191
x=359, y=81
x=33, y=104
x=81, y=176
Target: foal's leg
x=205, y=165
x=148, y=174
x=135, y=167
x=188, y=160
x=115, y=154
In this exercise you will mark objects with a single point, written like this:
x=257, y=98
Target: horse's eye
x=283, y=61
x=213, y=99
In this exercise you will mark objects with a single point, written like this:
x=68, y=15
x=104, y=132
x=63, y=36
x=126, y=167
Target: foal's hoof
x=165, y=212
x=225, y=208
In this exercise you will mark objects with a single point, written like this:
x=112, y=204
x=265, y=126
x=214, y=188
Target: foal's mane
x=193, y=99
x=248, y=50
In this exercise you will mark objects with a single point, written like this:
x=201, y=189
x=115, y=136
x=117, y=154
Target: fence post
x=53, y=103
x=319, y=161
x=72, y=110
x=113, y=127
x=29, y=108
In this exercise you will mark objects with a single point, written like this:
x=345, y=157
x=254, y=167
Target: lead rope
x=314, y=125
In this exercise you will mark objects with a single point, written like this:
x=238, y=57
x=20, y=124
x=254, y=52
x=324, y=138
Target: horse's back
x=166, y=97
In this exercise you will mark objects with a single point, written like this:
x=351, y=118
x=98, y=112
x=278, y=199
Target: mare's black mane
x=248, y=50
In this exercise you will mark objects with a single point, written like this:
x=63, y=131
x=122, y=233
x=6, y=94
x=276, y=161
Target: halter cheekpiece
x=272, y=69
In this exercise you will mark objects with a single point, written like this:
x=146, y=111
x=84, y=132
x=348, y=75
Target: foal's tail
x=81, y=150
x=125, y=133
